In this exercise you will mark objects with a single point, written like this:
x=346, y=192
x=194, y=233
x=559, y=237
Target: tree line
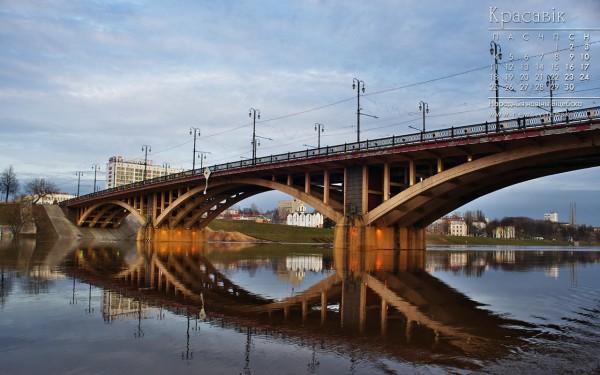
x=527, y=228
x=34, y=189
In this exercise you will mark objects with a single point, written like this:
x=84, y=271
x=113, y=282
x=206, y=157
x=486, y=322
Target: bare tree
x=9, y=184
x=15, y=219
x=38, y=188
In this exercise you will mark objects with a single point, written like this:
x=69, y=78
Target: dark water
x=121, y=307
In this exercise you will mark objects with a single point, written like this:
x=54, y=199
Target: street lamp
x=147, y=149
x=551, y=83
x=356, y=85
x=319, y=128
x=496, y=51
x=196, y=132
x=254, y=112
x=423, y=107
x=95, y=167
x=78, y=174
x=202, y=155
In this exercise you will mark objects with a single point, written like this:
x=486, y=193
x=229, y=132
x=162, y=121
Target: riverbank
x=50, y=223
x=291, y=234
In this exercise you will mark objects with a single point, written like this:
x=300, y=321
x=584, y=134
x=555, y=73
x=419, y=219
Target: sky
x=81, y=81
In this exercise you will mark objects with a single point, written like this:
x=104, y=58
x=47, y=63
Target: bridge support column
x=149, y=233
x=352, y=234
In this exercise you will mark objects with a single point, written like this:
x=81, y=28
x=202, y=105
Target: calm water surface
x=123, y=307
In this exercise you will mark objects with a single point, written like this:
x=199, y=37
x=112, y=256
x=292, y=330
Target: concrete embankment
x=52, y=223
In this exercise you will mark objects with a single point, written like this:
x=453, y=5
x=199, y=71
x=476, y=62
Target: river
x=133, y=308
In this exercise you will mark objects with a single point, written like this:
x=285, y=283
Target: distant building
x=479, y=225
x=458, y=227
x=55, y=198
x=437, y=227
x=120, y=171
x=286, y=207
x=553, y=217
x=301, y=218
x=505, y=232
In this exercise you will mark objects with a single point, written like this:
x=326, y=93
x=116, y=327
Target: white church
x=301, y=218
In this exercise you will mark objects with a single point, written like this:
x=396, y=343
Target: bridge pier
x=165, y=234
x=353, y=234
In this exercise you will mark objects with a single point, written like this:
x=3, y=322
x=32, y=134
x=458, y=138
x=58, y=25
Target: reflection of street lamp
x=78, y=174
x=196, y=132
x=320, y=128
x=356, y=85
x=140, y=332
x=254, y=112
x=423, y=107
x=551, y=83
x=496, y=51
x=146, y=148
x=95, y=167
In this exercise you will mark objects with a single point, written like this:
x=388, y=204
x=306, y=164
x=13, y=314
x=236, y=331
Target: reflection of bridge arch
x=111, y=213
x=416, y=307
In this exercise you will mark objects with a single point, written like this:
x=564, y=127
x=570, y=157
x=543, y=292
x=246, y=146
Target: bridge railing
x=515, y=124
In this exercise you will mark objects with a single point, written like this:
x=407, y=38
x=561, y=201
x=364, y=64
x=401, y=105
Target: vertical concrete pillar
x=354, y=190
x=386, y=181
x=290, y=180
x=412, y=173
x=440, y=165
x=307, y=182
x=365, y=189
x=326, y=187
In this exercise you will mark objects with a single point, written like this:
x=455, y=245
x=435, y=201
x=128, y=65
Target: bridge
x=380, y=193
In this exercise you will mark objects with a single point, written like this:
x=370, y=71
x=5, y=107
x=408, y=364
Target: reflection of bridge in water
x=381, y=298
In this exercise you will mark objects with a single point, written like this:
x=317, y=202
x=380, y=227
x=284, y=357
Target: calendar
x=542, y=60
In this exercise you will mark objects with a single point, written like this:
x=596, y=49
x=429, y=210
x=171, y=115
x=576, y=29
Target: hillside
x=274, y=232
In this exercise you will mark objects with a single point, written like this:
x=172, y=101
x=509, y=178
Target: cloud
x=83, y=81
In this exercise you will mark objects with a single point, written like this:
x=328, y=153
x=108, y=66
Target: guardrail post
x=486, y=127
x=567, y=117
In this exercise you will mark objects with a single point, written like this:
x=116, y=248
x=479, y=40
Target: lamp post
x=253, y=113
x=496, y=51
x=196, y=133
x=202, y=155
x=356, y=84
x=319, y=128
x=78, y=174
x=551, y=83
x=423, y=107
x=147, y=149
x=95, y=167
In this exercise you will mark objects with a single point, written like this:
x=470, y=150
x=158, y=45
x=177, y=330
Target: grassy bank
x=460, y=240
x=291, y=234
x=274, y=232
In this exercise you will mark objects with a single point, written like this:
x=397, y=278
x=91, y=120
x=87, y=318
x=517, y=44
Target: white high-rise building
x=120, y=171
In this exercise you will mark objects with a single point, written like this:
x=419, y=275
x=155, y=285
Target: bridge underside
x=383, y=198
